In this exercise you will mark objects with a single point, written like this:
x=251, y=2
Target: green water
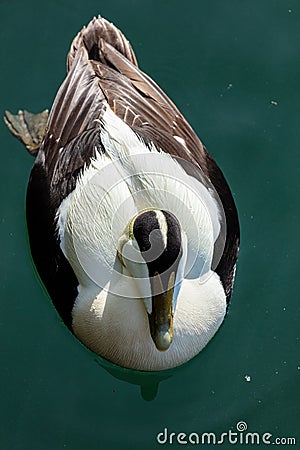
x=233, y=68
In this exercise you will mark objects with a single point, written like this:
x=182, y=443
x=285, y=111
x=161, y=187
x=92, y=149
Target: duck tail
x=93, y=36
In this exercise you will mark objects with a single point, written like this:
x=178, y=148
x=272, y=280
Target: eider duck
x=132, y=226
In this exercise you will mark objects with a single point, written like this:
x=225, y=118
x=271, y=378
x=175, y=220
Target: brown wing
x=143, y=106
x=102, y=68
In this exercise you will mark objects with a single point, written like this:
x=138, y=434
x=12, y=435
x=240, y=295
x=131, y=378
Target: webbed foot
x=28, y=128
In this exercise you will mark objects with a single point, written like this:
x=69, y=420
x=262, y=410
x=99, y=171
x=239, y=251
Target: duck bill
x=161, y=317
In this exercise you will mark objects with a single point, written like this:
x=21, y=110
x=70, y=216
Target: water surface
x=233, y=70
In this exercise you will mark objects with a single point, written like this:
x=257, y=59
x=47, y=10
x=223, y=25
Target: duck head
x=152, y=252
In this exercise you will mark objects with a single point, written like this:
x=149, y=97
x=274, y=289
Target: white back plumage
x=129, y=177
